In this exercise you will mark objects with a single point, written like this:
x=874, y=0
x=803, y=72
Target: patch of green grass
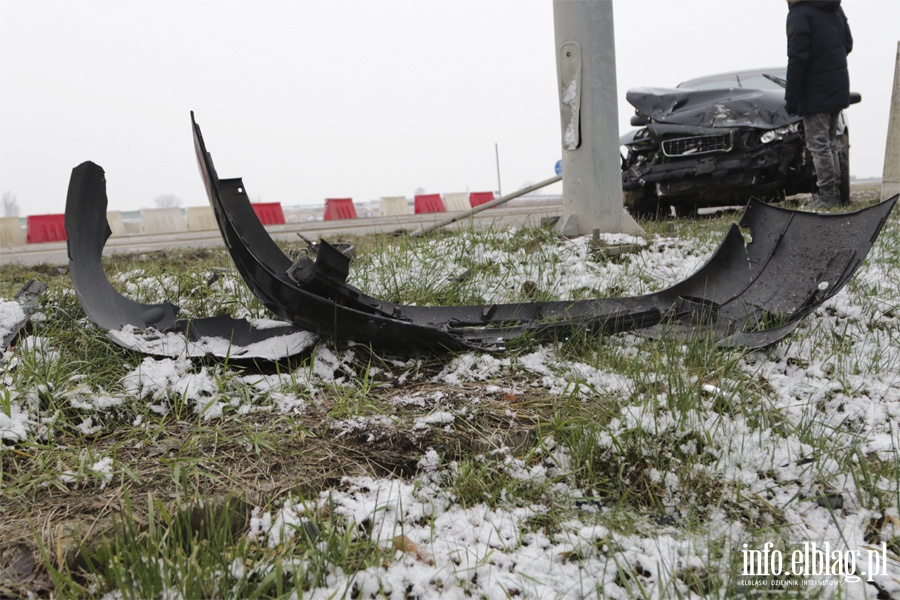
x=204, y=552
x=487, y=481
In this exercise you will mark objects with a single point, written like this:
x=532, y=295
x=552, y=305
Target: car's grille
x=699, y=144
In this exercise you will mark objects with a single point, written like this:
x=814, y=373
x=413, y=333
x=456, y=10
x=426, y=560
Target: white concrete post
x=588, y=102
x=890, y=177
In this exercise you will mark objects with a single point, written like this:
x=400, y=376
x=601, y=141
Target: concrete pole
x=588, y=103
x=890, y=177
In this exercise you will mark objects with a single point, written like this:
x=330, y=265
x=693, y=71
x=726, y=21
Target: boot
x=825, y=202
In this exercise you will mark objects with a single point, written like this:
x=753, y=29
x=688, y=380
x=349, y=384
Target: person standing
x=818, y=85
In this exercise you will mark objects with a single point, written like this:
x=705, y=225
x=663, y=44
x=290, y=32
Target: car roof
x=730, y=79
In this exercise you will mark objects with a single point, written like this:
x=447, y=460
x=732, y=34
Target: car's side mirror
x=639, y=120
x=855, y=97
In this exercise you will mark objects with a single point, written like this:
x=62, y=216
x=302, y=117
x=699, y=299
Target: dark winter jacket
x=819, y=41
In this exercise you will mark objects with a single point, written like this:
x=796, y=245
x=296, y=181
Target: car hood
x=712, y=108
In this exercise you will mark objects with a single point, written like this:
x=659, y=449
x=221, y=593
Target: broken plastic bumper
x=747, y=295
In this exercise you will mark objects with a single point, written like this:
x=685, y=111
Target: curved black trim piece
x=747, y=294
x=87, y=231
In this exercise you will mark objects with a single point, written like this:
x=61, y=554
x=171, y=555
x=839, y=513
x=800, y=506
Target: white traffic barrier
x=11, y=232
x=392, y=206
x=115, y=222
x=162, y=220
x=201, y=218
x=457, y=201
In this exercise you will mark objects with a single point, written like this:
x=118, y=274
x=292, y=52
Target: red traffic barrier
x=429, y=203
x=269, y=213
x=339, y=208
x=46, y=228
x=479, y=198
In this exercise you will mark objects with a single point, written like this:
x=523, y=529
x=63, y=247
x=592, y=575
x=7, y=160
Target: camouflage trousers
x=825, y=148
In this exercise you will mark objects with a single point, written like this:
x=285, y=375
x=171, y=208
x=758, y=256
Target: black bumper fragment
x=153, y=328
x=748, y=295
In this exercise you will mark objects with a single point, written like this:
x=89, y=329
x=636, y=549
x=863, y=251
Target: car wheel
x=844, y=155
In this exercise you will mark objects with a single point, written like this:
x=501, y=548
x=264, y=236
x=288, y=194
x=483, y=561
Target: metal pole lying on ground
x=591, y=165
x=487, y=205
x=497, y=157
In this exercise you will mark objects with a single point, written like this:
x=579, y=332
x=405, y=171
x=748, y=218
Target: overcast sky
x=353, y=98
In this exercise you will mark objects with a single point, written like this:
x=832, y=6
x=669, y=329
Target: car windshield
x=751, y=80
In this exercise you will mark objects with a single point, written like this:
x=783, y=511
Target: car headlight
x=778, y=134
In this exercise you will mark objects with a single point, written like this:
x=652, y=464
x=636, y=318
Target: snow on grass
x=502, y=262
x=794, y=444
x=11, y=316
x=15, y=420
x=176, y=344
x=490, y=552
x=91, y=471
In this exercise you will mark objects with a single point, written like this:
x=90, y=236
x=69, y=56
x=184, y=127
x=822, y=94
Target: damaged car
x=718, y=140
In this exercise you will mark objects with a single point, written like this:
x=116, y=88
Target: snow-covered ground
x=785, y=437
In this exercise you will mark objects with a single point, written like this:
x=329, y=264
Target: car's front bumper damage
x=715, y=146
x=744, y=162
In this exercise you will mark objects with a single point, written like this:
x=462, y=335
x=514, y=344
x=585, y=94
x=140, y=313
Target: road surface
x=55, y=253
